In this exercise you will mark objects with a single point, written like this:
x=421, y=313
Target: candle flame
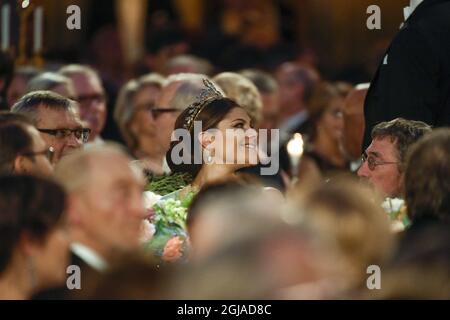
x=295, y=145
x=25, y=3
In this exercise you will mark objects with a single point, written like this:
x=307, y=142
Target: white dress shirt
x=413, y=4
x=288, y=126
x=92, y=258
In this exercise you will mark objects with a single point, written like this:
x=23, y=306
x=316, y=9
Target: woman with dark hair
x=34, y=247
x=211, y=141
x=220, y=139
x=324, y=154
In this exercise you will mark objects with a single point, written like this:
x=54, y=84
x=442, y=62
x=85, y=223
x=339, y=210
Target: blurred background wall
x=333, y=32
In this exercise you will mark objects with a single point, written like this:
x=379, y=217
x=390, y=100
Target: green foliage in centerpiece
x=166, y=184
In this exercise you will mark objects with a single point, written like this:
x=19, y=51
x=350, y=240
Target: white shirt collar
x=92, y=258
x=165, y=166
x=413, y=4
x=289, y=125
x=294, y=121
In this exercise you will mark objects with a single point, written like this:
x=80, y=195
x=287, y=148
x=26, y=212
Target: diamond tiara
x=209, y=93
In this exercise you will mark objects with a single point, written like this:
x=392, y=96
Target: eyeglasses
x=80, y=134
x=156, y=112
x=372, y=163
x=97, y=98
x=49, y=153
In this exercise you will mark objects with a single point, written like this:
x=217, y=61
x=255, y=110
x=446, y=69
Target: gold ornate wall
x=337, y=28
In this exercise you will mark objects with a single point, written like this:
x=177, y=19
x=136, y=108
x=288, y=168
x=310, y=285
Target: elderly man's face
x=92, y=102
x=50, y=118
x=164, y=123
x=381, y=168
x=270, y=110
x=113, y=206
x=142, y=124
x=291, y=93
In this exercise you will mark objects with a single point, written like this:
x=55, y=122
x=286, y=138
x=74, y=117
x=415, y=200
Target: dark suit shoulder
x=62, y=292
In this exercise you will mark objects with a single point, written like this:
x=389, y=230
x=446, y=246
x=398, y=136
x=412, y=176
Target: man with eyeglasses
x=23, y=151
x=57, y=120
x=90, y=96
x=383, y=161
x=178, y=92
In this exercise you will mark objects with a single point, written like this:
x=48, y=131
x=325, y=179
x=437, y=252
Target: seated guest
x=17, y=89
x=212, y=214
x=268, y=88
x=105, y=209
x=134, y=116
x=124, y=110
x=353, y=113
x=419, y=268
x=427, y=176
x=34, y=244
x=243, y=92
x=344, y=214
x=186, y=63
x=384, y=160
x=297, y=84
x=90, y=95
x=179, y=91
x=54, y=82
x=57, y=120
x=22, y=148
x=323, y=155
x=136, y=277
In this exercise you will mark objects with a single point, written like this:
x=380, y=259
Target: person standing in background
x=413, y=80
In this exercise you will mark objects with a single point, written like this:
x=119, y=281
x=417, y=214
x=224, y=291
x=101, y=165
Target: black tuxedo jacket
x=88, y=274
x=413, y=80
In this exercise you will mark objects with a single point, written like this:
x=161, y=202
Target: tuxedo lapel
x=422, y=8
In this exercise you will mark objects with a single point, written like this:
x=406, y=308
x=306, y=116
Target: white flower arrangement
x=396, y=210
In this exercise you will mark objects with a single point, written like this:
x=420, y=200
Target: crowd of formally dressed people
x=70, y=198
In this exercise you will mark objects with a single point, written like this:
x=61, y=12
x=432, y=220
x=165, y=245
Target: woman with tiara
x=213, y=138
x=218, y=139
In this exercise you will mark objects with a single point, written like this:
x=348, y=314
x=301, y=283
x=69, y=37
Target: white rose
x=392, y=205
x=147, y=231
x=150, y=199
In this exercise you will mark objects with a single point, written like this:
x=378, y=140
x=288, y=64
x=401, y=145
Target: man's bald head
x=181, y=90
x=77, y=171
x=106, y=204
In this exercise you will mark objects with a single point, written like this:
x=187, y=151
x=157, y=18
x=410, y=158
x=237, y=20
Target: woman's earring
x=208, y=157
